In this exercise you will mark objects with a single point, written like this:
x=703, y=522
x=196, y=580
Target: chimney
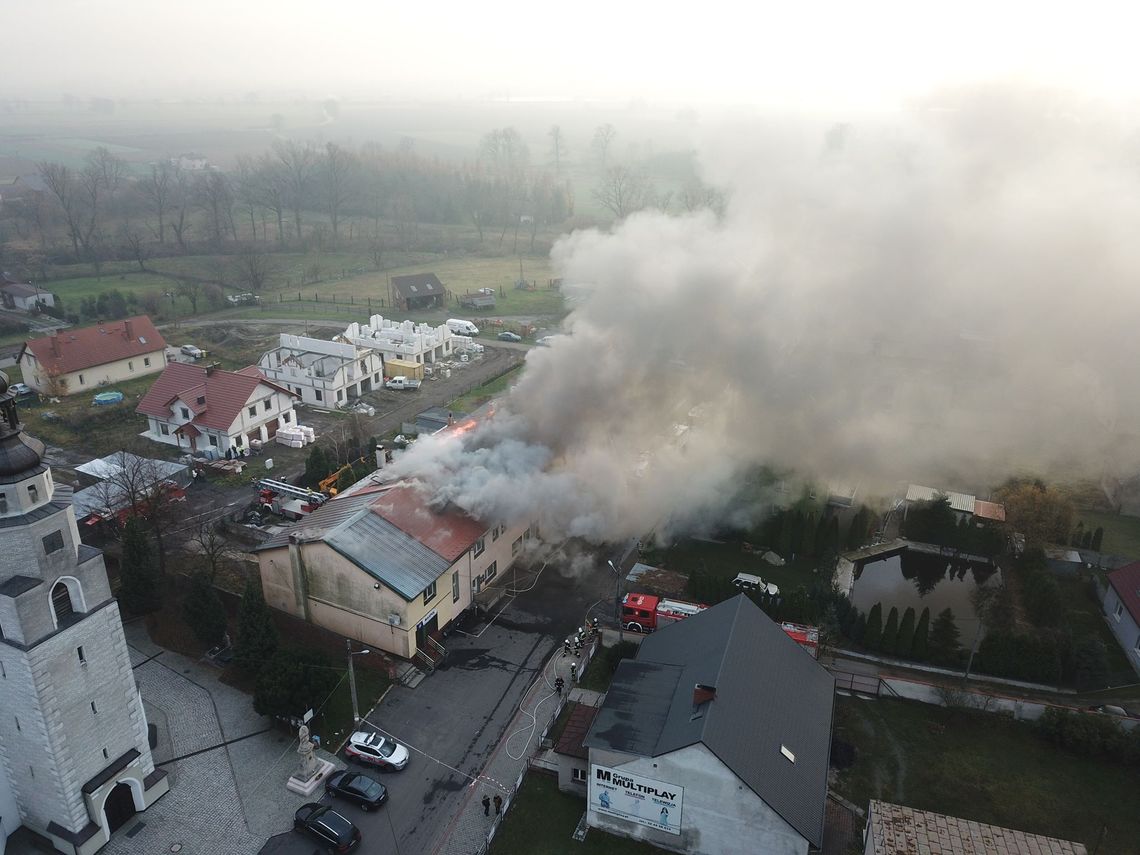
x=128, y=330
x=703, y=694
x=55, y=344
x=381, y=457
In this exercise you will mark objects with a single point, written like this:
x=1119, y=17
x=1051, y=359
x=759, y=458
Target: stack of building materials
x=295, y=436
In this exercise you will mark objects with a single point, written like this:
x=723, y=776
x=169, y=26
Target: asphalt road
x=454, y=718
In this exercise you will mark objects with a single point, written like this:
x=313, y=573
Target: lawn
x=986, y=768
x=78, y=424
x=480, y=395
x=1121, y=533
x=1085, y=616
x=729, y=558
x=334, y=722
x=541, y=820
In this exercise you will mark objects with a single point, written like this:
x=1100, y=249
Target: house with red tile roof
x=1122, y=607
x=895, y=829
x=200, y=408
x=385, y=565
x=82, y=360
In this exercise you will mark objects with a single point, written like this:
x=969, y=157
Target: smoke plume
x=946, y=296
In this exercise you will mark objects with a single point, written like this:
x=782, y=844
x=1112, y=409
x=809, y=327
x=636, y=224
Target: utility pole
x=352, y=678
x=617, y=601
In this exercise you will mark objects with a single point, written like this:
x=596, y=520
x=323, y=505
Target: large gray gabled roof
x=770, y=695
x=349, y=525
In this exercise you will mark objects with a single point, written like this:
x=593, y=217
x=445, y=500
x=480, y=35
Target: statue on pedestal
x=306, y=748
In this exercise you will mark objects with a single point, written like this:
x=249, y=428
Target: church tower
x=74, y=754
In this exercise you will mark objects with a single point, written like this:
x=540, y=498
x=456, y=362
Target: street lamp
x=352, y=678
x=617, y=600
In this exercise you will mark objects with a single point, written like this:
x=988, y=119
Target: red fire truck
x=645, y=613
x=806, y=637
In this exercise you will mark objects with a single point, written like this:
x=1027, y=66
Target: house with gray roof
x=715, y=739
x=383, y=564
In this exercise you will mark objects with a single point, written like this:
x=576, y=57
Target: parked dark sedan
x=327, y=826
x=366, y=792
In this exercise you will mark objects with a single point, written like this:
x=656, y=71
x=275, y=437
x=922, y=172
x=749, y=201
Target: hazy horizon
x=835, y=58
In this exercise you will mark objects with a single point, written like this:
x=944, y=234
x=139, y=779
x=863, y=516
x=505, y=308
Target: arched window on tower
x=62, y=605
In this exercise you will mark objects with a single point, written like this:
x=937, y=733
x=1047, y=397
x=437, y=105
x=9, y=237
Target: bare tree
x=157, y=189
x=603, y=140
x=209, y=541
x=134, y=244
x=141, y=487
x=623, y=191
x=191, y=289
x=505, y=155
x=247, y=191
x=298, y=163
x=76, y=194
x=271, y=190
x=557, y=147
x=696, y=195
x=376, y=253
x=215, y=196
x=253, y=269
x=180, y=199
x=339, y=176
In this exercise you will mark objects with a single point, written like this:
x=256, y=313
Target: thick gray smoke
x=947, y=297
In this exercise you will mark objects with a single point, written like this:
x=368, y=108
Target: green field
x=480, y=395
x=541, y=820
x=729, y=558
x=984, y=767
x=1121, y=533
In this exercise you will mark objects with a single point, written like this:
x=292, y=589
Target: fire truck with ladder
x=645, y=613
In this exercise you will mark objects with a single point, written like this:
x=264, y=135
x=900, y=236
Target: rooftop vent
x=703, y=694
x=787, y=753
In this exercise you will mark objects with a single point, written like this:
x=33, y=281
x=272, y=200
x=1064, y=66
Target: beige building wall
x=90, y=379
x=316, y=583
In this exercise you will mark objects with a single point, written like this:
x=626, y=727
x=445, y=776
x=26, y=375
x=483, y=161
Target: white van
x=461, y=327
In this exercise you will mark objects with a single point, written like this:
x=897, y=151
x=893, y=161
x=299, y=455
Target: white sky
x=852, y=54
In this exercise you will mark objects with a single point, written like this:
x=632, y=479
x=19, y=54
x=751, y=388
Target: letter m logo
x=604, y=775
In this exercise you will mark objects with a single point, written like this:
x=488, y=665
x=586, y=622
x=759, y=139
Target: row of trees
x=905, y=638
x=793, y=532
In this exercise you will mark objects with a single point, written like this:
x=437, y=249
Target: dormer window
x=33, y=493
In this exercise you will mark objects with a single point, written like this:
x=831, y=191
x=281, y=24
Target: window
x=61, y=603
x=1119, y=611
x=33, y=493
x=480, y=546
x=3, y=503
x=80, y=379
x=214, y=441
x=318, y=393
x=268, y=404
x=492, y=571
x=164, y=429
x=429, y=593
x=106, y=756
x=455, y=587
x=579, y=776
x=185, y=413
x=516, y=547
x=94, y=709
x=495, y=534
x=201, y=399
x=82, y=656
x=146, y=362
x=17, y=722
x=239, y=440
x=53, y=542
x=286, y=417
x=130, y=365
x=253, y=411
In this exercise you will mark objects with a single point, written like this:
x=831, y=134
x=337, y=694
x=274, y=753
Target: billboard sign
x=654, y=804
